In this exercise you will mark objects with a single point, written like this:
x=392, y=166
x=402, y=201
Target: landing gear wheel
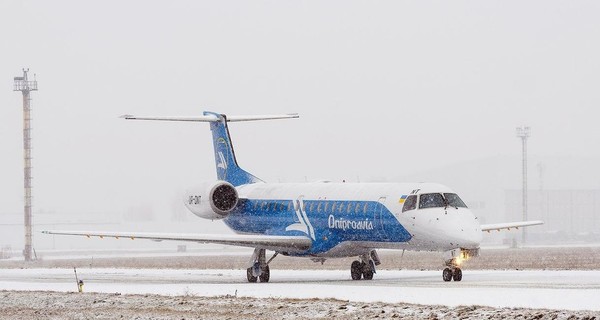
x=457, y=275
x=356, y=270
x=265, y=275
x=367, y=271
x=447, y=274
x=250, y=276
x=367, y=274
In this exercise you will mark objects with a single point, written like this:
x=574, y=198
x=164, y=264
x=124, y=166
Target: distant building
x=568, y=215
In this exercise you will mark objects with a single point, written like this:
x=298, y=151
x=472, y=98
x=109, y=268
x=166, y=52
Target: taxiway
x=543, y=289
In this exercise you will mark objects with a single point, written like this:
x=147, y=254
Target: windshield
x=410, y=203
x=431, y=200
x=454, y=200
x=437, y=200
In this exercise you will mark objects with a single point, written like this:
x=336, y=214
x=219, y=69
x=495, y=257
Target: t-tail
x=226, y=164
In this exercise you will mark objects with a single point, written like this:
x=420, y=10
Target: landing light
x=462, y=257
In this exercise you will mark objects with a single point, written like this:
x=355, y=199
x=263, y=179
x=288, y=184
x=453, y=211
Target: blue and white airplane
x=322, y=220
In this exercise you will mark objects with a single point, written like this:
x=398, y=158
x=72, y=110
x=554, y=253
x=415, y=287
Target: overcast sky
x=383, y=88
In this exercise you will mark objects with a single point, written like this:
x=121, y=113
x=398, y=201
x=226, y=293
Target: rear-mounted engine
x=212, y=200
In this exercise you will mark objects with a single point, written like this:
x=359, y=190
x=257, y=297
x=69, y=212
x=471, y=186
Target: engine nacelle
x=212, y=200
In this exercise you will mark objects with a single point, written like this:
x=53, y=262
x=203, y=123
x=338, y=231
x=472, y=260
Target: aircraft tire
x=447, y=274
x=265, y=275
x=249, y=276
x=367, y=271
x=457, y=275
x=355, y=270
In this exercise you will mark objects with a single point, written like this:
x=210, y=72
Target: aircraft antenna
x=24, y=85
x=524, y=132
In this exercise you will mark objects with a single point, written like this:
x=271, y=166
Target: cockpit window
x=454, y=200
x=410, y=203
x=431, y=200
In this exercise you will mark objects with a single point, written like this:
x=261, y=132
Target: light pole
x=524, y=132
x=24, y=85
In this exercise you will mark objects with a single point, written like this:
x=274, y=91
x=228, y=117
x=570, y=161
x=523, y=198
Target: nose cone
x=469, y=235
x=472, y=237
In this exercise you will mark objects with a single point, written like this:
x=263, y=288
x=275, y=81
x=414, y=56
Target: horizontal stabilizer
x=509, y=225
x=213, y=118
x=275, y=243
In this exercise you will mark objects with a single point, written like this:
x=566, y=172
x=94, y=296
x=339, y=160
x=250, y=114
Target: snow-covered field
x=560, y=290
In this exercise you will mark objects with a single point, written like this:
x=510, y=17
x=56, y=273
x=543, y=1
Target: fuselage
x=346, y=219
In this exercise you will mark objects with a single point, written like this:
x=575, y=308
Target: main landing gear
x=259, y=269
x=365, y=268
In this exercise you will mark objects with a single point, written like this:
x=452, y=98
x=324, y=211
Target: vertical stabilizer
x=226, y=164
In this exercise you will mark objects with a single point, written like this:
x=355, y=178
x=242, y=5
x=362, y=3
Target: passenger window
x=310, y=208
x=365, y=208
x=357, y=208
x=410, y=203
x=319, y=206
x=289, y=205
x=256, y=205
x=341, y=207
x=263, y=205
x=349, y=209
x=333, y=207
x=326, y=206
x=431, y=200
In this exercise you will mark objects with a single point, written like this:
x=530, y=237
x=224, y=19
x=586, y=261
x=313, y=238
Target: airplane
x=322, y=220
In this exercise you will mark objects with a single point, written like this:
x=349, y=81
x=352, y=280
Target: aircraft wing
x=509, y=225
x=275, y=243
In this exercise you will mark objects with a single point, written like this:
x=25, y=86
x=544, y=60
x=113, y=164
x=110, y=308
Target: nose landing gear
x=452, y=274
x=454, y=259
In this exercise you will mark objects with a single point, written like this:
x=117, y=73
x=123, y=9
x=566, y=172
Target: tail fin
x=227, y=167
x=226, y=164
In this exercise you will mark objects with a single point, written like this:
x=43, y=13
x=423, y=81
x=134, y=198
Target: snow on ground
x=540, y=289
x=16, y=305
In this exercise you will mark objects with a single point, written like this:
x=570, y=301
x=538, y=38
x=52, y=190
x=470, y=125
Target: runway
x=560, y=290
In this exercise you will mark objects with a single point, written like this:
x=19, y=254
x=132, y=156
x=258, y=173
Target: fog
x=386, y=91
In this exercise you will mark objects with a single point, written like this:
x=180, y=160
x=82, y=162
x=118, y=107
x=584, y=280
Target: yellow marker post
x=79, y=282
